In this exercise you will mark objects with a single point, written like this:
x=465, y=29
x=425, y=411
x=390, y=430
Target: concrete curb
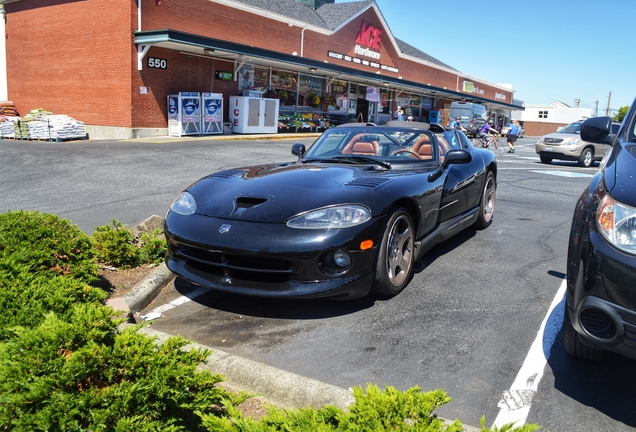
x=145, y=291
x=274, y=386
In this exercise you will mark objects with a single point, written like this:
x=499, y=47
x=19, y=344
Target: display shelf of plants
x=301, y=122
x=39, y=124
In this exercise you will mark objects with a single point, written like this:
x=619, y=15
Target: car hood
x=274, y=193
x=622, y=169
x=561, y=136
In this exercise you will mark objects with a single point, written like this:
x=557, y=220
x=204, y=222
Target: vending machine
x=212, y=119
x=184, y=114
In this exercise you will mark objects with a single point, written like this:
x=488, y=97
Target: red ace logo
x=369, y=36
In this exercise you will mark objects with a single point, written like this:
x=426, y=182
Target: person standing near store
x=512, y=136
x=399, y=114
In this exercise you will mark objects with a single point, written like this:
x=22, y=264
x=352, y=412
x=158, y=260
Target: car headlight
x=540, y=140
x=184, y=204
x=617, y=224
x=342, y=216
x=571, y=141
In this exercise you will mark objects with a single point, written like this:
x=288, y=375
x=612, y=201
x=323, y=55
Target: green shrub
x=377, y=410
x=48, y=243
x=153, y=247
x=26, y=297
x=113, y=245
x=80, y=374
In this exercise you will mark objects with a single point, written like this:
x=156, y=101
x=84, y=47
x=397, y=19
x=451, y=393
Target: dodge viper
x=349, y=215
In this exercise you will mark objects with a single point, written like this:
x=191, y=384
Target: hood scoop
x=243, y=203
x=227, y=174
x=368, y=182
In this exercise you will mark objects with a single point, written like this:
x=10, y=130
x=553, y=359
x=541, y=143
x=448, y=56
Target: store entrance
x=362, y=110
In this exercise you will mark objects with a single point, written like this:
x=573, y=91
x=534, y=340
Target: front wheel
x=545, y=159
x=586, y=158
x=487, y=204
x=394, y=265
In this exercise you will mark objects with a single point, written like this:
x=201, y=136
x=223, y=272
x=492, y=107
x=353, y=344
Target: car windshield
x=365, y=144
x=572, y=128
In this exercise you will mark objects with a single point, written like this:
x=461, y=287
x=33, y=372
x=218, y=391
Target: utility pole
x=596, y=109
x=607, y=112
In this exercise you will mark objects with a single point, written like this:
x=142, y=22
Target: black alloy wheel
x=394, y=266
x=487, y=204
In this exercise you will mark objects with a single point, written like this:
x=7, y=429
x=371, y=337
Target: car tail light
x=472, y=123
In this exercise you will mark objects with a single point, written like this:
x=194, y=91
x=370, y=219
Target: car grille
x=553, y=140
x=236, y=267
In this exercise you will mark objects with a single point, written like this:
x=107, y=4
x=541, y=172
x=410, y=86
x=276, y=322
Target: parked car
x=472, y=116
x=566, y=144
x=506, y=128
x=601, y=265
x=352, y=214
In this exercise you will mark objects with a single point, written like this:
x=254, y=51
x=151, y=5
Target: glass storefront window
x=285, y=84
x=310, y=89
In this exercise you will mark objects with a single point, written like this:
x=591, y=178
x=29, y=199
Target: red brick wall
x=78, y=57
x=71, y=58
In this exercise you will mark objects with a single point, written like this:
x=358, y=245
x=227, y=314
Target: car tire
x=571, y=339
x=586, y=158
x=545, y=159
x=394, y=265
x=487, y=202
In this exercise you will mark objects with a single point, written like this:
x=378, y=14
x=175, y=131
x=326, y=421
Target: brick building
x=112, y=64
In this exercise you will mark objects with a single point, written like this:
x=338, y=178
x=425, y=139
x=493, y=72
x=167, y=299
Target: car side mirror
x=455, y=156
x=299, y=150
x=597, y=130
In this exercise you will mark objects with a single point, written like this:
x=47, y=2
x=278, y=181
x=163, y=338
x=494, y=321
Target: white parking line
x=515, y=403
x=562, y=173
x=179, y=301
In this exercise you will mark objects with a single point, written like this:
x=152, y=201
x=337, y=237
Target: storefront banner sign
x=364, y=62
x=246, y=76
x=384, y=97
x=373, y=94
x=403, y=101
x=427, y=102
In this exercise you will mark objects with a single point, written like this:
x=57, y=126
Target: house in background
x=540, y=120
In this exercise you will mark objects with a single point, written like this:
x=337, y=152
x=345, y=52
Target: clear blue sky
x=548, y=50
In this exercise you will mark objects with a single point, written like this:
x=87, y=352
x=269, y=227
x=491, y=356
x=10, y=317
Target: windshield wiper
x=353, y=159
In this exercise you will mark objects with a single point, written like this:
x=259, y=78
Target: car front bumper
x=602, y=305
x=564, y=152
x=270, y=260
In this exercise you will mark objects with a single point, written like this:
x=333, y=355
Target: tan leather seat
x=422, y=147
x=444, y=147
x=360, y=145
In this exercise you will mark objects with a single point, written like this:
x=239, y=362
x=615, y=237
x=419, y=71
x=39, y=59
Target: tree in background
x=621, y=114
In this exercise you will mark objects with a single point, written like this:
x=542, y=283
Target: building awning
x=239, y=54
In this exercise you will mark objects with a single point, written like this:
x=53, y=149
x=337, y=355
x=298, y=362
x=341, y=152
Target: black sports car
x=350, y=215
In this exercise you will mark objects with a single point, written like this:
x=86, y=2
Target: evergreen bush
x=113, y=245
x=81, y=374
x=47, y=242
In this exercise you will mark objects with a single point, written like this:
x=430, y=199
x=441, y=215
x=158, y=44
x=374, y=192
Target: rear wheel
x=487, y=204
x=586, y=158
x=394, y=266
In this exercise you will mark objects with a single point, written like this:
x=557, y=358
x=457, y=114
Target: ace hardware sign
x=368, y=40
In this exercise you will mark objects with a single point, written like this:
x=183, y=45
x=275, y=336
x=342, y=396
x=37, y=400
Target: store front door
x=362, y=112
